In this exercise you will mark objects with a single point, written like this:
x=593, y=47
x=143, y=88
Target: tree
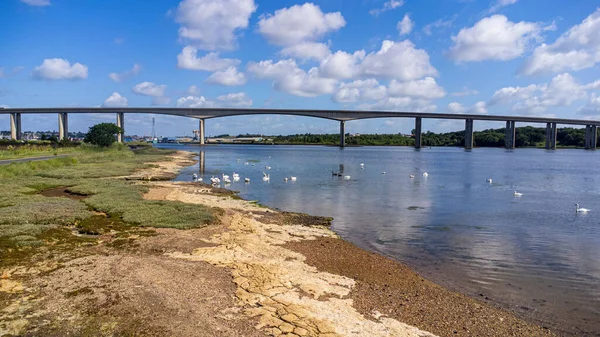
x=102, y=134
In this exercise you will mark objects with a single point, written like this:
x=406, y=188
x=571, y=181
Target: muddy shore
x=256, y=272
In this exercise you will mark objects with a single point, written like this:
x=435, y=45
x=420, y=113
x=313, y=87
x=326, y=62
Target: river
x=532, y=254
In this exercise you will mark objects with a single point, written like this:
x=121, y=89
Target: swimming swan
x=425, y=174
x=488, y=180
x=580, y=210
x=517, y=194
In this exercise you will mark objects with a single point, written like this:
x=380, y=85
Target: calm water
x=532, y=254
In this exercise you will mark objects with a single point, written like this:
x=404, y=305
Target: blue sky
x=508, y=57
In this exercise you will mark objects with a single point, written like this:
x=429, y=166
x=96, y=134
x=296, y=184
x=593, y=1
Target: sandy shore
x=258, y=272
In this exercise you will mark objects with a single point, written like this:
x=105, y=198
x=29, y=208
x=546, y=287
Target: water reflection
x=452, y=225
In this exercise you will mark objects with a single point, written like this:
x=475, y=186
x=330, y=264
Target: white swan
x=383, y=172
x=285, y=179
x=199, y=179
x=362, y=164
x=194, y=176
x=267, y=167
x=347, y=177
x=235, y=175
x=412, y=176
x=425, y=174
x=517, y=194
x=580, y=210
x=266, y=177
x=227, y=180
x=224, y=176
x=293, y=178
x=488, y=180
x=246, y=180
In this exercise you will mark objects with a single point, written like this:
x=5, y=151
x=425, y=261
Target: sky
x=502, y=57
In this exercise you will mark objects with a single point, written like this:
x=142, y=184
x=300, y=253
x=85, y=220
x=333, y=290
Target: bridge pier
x=63, y=126
x=201, y=133
x=342, y=133
x=15, y=126
x=591, y=137
x=121, y=124
x=550, y=136
x=418, y=133
x=510, y=138
x=468, y=133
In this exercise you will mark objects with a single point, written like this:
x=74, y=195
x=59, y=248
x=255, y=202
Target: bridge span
x=342, y=116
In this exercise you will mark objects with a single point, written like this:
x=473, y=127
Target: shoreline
x=256, y=271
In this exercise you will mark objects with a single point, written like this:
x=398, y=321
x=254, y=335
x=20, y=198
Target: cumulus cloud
x=289, y=78
x=192, y=102
x=60, y=69
x=342, y=65
x=38, y=3
x=119, y=77
x=576, y=49
x=359, y=90
x=238, y=100
x=457, y=108
x=426, y=88
x=562, y=90
x=405, y=26
x=400, y=104
x=299, y=23
x=149, y=89
x=228, y=77
x=307, y=51
x=494, y=38
x=397, y=60
x=213, y=24
x=592, y=107
x=387, y=6
x=115, y=101
x=188, y=59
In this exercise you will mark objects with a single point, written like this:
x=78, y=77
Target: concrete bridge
x=342, y=116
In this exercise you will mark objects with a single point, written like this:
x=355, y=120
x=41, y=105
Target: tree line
x=526, y=136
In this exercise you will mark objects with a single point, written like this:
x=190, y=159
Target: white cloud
x=397, y=60
x=388, y=5
x=213, y=24
x=359, y=90
x=562, y=90
x=342, y=65
x=287, y=77
x=188, y=59
x=405, y=26
x=400, y=104
x=494, y=38
x=119, y=77
x=60, y=69
x=115, y=100
x=239, y=100
x=193, y=90
x=457, y=108
x=592, y=107
x=39, y=3
x=193, y=102
x=426, y=88
x=228, y=77
x=501, y=3
x=441, y=23
x=307, y=50
x=576, y=49
x=299, y=23
x=149, y=89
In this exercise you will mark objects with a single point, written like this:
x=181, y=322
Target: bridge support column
x=418, y=133
x=510, y=138
x=342, y=133
x=201, y=133
x=121, y=124
x=15, y=126
x=591, y=137
x=468, y=134
x=550, y=136
x=63, y=126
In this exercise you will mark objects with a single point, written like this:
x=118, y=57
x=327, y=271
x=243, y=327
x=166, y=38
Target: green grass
x=27, y=218
x=35, y=150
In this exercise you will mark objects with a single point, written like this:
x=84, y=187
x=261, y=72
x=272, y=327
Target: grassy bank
x=31, y=222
